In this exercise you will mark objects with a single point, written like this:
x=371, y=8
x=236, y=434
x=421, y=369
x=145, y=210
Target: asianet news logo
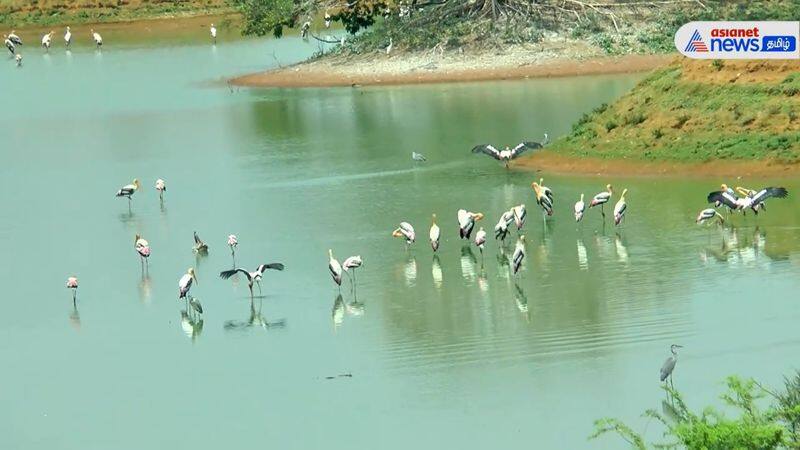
x=739, y=40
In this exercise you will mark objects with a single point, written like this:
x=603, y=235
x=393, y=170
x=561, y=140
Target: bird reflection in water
x=337, y=312
x=191, y=324
x=410, y=271
x=75, y=318
x=522, y=301
x=436, y=272
x=583, y=258
x=468, y=263
x=503, y=264
x=622, y=250
x=145, y=288
x=254, y=320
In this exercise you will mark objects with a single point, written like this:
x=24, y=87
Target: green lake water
x=443, y=354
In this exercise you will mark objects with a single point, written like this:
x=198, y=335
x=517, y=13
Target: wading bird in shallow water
x=335, y=269
x=9, y=45
x=142, y=248
x=580, y=208
x=213, y=31
x=200, y=247
x=47, y=39
x=405, y=230
x=508, y=154
x=755, y=200
x=519, y=254
x=18, y=59
x=419, y=157
x=480, y=240
x=520, y=213
x=14, y=38
x=708, y=214
x=434, y=234
x=252, y=277
x=98, y=40
x=725, y=196
x=501, y=229
x=353, y=262
x=620, y=208
x=233, y=242
x=128, y=190
x=184, y=284
x=543, y=200
x=669, y=364
x=161, y=187
x=601, y=199
x=72, y=283
x=68, y=37
x=466, y=222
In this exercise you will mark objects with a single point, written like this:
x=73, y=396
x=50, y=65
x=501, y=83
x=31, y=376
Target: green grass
x=666, y=117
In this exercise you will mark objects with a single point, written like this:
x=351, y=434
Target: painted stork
x=304, y=29
x=161, y=187
x=434, y=234
x=419, y=157
x=18, y=59
x=519, y=254
x=466, y=222
x=480, y=240
x=200, y=247
x=353, y=262
x=233, y=242
x=335, y=269
x=620, y=208
x=601, y=198
x=9, y=45
x=72, y=283
x=520, y=213
x=252, y=277
x=755, y=200
x=128, y=190
x=14, y=38
x=501, y=229
x=405, y=230
x=98, y=40
x=508, y=154
x=142, y=248
x=725, y=196
x=542, y=199
x=213, y=31
x=184, y=284
x=68, y=37
x=47, y=39
x=580, y=208
x=669, y=364
x=708, y=214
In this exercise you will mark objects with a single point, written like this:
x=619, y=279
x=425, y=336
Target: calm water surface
x=449, y=352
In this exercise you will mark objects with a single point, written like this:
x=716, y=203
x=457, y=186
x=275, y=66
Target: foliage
x=710, y=429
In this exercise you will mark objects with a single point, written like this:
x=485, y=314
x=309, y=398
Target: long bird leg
x=251, y=291
x=603, y=211
x=259, y=287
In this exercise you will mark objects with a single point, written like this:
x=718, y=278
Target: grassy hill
x=698, y=111
x=19, y=13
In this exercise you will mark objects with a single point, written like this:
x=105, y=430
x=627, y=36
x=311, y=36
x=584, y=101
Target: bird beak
x=478, y=216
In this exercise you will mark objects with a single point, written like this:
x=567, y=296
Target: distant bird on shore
x=9, y=45
x=466, y=222
x=47, y=40
x=98, y=40
x=580, y=208
x=252, y=277
x=199, y=247
x=669, y=365
x=161, y=187
x=213, y=31
x=335, y=268
x=14, y=38
x=68, y=37
x=620, y=208
x=128, y=190
x=434, y=234
x=509, y=154
x=405, y=230
x=708, y=214
x=601, y=199
x=142, y=248
x=72, y=283
x=419, y=157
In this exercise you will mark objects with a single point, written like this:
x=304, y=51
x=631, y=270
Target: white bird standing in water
x=708, y=214
x=18, y=59
x=601, y=199
x=14, y=38
x=434, y=234
x=233, y=242
x=128, y=190
x=620, y=208
x=519, y=254
x=9, y=45
x=405, y=230
x=480, y=240
x=98, y=40
x=580, y=208
x=161, y=187
x=213, y=31
x=335, y=268
x=542, y=199
x=72, y=283
x=252, y=277
x=353, y=262
x=68, y=37
x=184, y=284
x=466, y=222
x=520, y=213
x=47, y=40
x=501, y=229
x=142, y=248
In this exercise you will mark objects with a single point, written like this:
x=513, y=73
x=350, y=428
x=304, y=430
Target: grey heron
x=669, y=364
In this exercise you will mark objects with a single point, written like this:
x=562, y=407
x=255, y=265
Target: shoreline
x=546, y=161
x=377, y=70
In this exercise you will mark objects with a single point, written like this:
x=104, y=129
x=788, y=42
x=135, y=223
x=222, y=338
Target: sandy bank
x=551, y=162
x=381, y=69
